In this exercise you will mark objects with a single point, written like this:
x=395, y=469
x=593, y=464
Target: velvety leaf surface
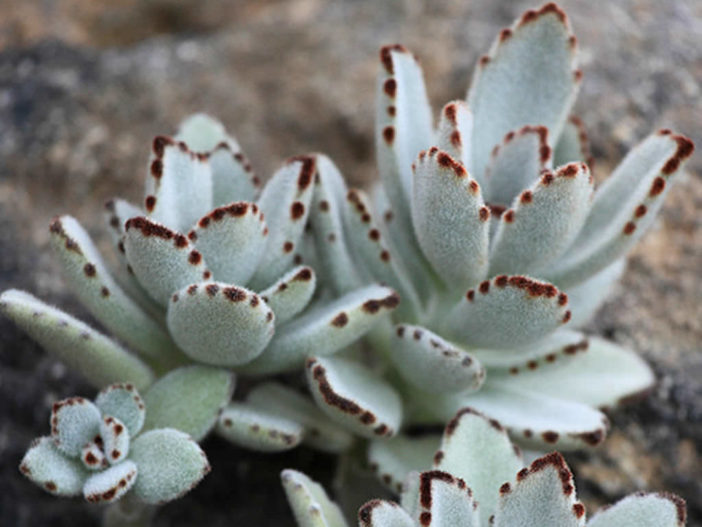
x=573, y=144
x=455, y=133
x=74, y=422
x=257, y=429
x=122, y=401
x=115, y=439
x=291, y=294
x=309, y=502
x=586, y=298
x=643, y=510
x=381, y=513
x=446, y=501
x=393, y=460
x=111, y=484
x=45, y=465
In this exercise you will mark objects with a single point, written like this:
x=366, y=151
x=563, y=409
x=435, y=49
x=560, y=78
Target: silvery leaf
x=445, y=499
x=49, y=468
x=170, y=464
x=115, y=439
x=123, y=402
x=381, y=513
x=450, y=219
x=393, y=460
x=542, y=496
x=643, y=510
x=232, y=239
x=309, y=503
x=220, y=324
x=455, y=133
x=528, y=77
x=353, y=396
x=573, y=144
x=111, y=484
x=93, y=456
x=508, y=312
x=257, y=429
x=587, y=297
x=74, y=422
x=188, y=399
x=543, y=222
x=291, y=293
x=99, y=359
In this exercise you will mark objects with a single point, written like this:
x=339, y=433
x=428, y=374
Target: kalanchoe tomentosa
x=100, y=450
x=491, y=230
x=478, y=479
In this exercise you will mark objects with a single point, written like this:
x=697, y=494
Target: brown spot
x=505, y=489
x=550, y=436
x=234, y=294
x=640, y=211
x=438, y=456
x=385, y=256
x=160, y=143
x=391, y=111
x=417, y=334
x=555, y=460
x=388, y=216
x=297, y=209
x=390, y=87
x=456, y=139
x=593, y=438
x=157, y=168
x=484, y=287
x=288, y=247
x=89, y=270
x=307, y=171
x=684, y=150
x=473, y=186
x=470, y=295
x=149, y=228
x=105, y=292
x=629, y=228
x=150, y=203
x=657, y=186
x=386, y=55
x=269, y=316
x=579, y=509
x=425, y=480
x=389, y=134
x=569, y=171
x=566, y=317
x=505, y=34
x=400, y=331
x=180, y=241
x=254, y=300
x=211, y=289
x=374, y=234
x=532, y=287
x=382, y=430
x=547, y=178
x=578, y=75
x=50, y=486
x=367, y=418
x=679, y=505
x=508, y=216
x=340, y=320
x=484, y=213
x=526, y=197
x=324, y=205
x=194, y=257
x=496, y=210
x=562, y=299
x=484, y=60
x=331, y=238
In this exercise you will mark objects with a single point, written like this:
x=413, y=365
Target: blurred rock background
x=86, y=84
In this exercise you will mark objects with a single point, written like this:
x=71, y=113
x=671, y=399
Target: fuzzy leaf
x=282, y=401
x=432, y=364
x=455, y=133
x=115, y=437
x=111, y=484
x=335, y=262
x=232, y=239
x=508, y=312
x=90, y=279
x=450, y=219
x=74, y=423
x=163, y=260
x=599, y=374
x=170, y=464
x=220, y=324
x=45, y=465
x=203, y=133
x=528, y=78
x=99, y=359
x=643, y=510
x=573, y=144
x=381, y=513
x=477, y=450
x=291, y=294
x=325, y=330
x=624, y=206
x=285, y=203
x=446, y=501
x=309, y=502
x=515, y=164
x=543, y=496
x=93, y=456
x=123, y=402
x=393, y=460
x=179, y=187
x=188, y=399
x=258, y=429
x=353, y=396
x=586, y=298
x=543, y=222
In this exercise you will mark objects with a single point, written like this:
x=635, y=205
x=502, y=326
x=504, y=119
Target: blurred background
x=86, y=84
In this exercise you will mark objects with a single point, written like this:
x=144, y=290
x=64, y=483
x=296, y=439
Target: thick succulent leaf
x=163, y=260
x=374, y=255
x=643, y=510
x=309, y=502
x=381, y=513
x=90, y=279
x=507, y=312
x=409, y=497
x=586, y=298
x=111, y=484
x=624, y=207
x=92, y=455
x=179, y=187
x=573, y=144
x=319, y=431
x=188, y=399
x=543, y=222
x=515, y=164
x=335, y=262
x=115, y=439
x=543, y=496
x=99, y=359
x=528, y=78
x=433, y=364
x=170, y=464
x=446, y=501
x=291, y=294
x=74, y=422
x=455, y=133
x=598, y=373
x=354, y=397
x=232, y=239
x=251, y=427
x=563, y=341
x=122, y=401
x=477, y=450
x=394, y=460
x=220, y=324
x=450, y=219
x=325, y=330
x=285, y=203
x=49, y=468
x=232, y=177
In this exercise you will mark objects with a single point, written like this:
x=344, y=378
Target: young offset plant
x=478, y=479
x=490, y=228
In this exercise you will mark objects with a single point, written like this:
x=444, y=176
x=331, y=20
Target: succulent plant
x=491, y=230
x=102, y=451
x=478, y=478
x=178, y=294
